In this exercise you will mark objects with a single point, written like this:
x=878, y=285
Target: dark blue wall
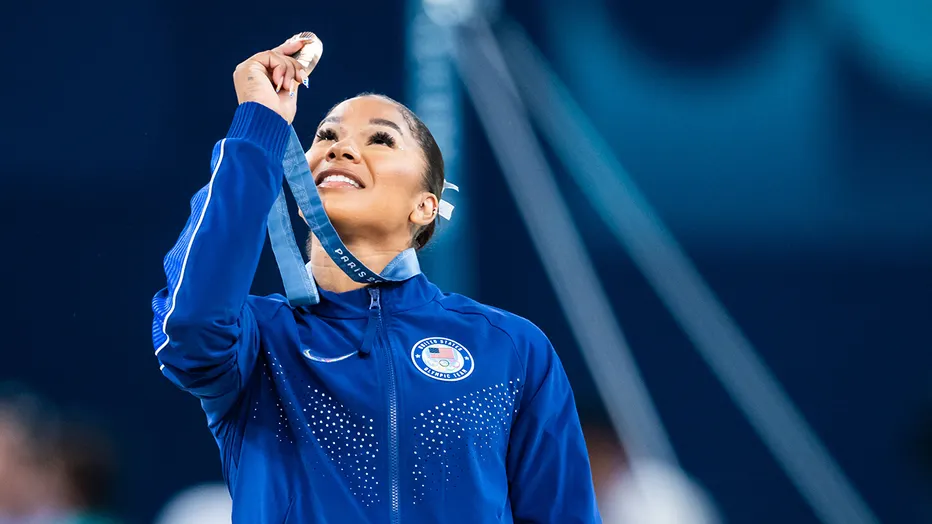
x=795, y=173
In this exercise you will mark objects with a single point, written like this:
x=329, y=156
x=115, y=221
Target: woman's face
x=369, y=170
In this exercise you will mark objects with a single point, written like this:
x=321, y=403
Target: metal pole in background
x=693, y=304
x=435, y=95
x=567, y=264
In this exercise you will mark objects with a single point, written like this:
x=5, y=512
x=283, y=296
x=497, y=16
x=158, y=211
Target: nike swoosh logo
x=326, y=360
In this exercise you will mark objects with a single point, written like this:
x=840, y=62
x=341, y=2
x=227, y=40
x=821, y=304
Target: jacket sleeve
x=205, y=335
x=548, y=465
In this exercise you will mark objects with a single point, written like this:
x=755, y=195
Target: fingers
x=278, y=76
x=296, y=43
x=291, y=78
x=303, y=76
x=295, y=75
x=290, y=47
x=284, y=71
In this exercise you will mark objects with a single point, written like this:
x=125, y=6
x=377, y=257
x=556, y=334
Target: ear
x=426, y=210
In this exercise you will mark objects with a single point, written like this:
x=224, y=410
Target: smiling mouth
x=334, y=178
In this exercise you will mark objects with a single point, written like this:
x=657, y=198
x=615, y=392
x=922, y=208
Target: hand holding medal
x=271, y=78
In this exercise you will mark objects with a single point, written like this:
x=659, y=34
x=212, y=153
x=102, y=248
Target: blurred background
x=719, y=211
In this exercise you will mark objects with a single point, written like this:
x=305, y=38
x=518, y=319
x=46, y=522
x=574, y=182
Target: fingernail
x=305, y=82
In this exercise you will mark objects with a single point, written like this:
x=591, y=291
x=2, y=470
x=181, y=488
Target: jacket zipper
x=376, y=305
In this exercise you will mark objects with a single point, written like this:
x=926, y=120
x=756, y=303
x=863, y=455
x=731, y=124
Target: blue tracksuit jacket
x=389, y=404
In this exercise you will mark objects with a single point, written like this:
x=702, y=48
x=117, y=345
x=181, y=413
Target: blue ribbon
x=300, y=287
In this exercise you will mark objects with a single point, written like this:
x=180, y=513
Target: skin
x=365, y=139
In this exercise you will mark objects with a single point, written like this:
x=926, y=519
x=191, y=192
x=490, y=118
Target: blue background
x=786, y=144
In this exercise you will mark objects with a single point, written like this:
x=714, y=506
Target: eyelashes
x=378, y=138
x=326, y=134
x=382, y=138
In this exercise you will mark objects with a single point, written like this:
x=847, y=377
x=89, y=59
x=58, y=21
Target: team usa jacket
x=395, y=403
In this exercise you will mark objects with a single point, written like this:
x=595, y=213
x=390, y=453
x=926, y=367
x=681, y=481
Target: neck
x=375, y=255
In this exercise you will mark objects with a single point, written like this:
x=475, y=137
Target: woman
x=386, y=403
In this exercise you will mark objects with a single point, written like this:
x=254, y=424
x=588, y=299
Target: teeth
x=339, y=178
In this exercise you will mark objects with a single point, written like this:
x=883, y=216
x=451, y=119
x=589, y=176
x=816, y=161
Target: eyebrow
x=374, y=121
x=387, y=123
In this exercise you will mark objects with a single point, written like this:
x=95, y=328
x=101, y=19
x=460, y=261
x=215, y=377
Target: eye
x=382, y=138
x=326, y=134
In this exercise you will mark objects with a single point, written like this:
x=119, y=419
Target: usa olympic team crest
x=442, y=359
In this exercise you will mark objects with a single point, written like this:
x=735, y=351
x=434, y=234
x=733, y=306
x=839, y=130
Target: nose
x=345, y=150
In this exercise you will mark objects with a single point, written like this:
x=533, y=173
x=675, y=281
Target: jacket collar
x=394, y=297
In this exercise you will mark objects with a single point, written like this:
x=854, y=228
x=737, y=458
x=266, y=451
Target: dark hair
x=433, y=174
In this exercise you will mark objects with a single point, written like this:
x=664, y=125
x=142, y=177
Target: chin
x=345, y=211
x=356, y=219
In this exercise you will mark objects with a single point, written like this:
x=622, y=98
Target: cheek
x=314, y=155
x=398, y=174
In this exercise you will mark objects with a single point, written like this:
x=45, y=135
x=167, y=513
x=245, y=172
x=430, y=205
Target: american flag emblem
x=442, y=358
x=441, y=352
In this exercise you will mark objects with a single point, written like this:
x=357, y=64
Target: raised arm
x=205, y=335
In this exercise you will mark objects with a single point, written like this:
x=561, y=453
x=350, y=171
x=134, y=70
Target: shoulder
x=524, y=334
x=532, y=347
